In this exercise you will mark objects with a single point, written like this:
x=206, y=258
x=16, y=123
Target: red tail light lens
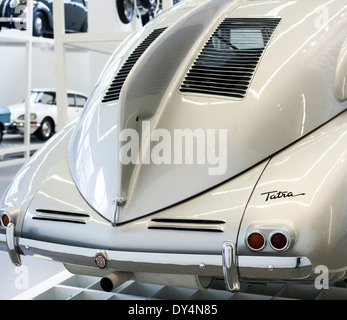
x=279, y=241
x=5, y=219
x=256, y=241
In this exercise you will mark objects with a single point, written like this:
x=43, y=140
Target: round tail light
x=279, y=241
x=5, y=219
x=256, y=241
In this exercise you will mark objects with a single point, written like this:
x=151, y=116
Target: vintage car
x=13, y=14
x=5, y=114
x=147, y=9
x=212, y=149
x=43, y=112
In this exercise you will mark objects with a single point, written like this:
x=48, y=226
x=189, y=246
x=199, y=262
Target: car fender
x=45, y=111
x=303, y=191
x=25, y=184
x=40, y=6
x=341, y=75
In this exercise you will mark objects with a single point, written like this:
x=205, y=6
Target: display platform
x=66, y=286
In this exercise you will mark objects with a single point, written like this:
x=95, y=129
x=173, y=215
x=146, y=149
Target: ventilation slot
x=115, y=88
x=187, y=225
x=226, y=64
x=61, y=216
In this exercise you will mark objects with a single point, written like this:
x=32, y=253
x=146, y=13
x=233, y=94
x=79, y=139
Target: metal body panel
x=278, y=97
x=314, y=171
x=225, y=204
x=285, y=182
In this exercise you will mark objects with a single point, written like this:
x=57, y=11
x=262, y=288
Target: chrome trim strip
x=271, y=267
x=125, y=260
x=234, y=267
x=22, y=124
x=230, y=266
x=61, y=217
x=11, y=20
x=185, y=226
x=11, y=245
x=58, y=218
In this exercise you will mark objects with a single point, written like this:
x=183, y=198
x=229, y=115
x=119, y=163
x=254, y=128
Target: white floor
x=65, y=286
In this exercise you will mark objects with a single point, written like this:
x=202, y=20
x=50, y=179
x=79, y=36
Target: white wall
x=12, y=74
x=103, y=16
x=13, y=70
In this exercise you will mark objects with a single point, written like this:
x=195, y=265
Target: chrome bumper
x=232, y=267
x=12, y=20
x=19, y=127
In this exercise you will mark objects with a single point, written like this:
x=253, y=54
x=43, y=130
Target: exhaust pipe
x=114, y=280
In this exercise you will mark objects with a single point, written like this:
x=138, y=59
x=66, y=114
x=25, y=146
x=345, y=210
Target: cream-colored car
x=43, y=112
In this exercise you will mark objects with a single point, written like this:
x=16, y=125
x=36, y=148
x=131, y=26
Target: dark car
x=13, y=13
x=148, y=9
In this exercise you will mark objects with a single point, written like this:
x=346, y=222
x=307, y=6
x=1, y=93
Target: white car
x=43, y=112
x=212, y=149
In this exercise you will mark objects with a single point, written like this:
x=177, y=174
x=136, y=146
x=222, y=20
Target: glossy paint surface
x=304, y=189
x=224, y=204
x=291, y=94
x=286, y=152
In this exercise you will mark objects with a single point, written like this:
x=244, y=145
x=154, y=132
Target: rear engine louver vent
x=115, y=88
x=226, y=64
x=61, y=216
x=187, y=225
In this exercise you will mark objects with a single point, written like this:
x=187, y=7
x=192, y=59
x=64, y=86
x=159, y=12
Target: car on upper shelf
x=13, y=14
x=147, y=9
x=212, y=150
x=43, y=112
x=5, y=114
